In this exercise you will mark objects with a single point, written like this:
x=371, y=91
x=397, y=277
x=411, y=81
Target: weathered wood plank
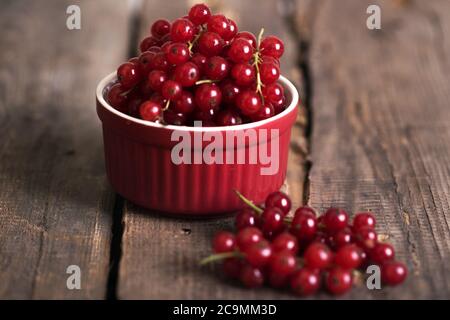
x=381, y=135
x=160, y=254
x=55, y=206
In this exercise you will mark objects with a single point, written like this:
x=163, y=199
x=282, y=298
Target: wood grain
x=160, y=254
x=381, y=129
x=55, y=205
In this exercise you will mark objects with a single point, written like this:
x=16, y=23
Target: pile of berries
x=305, y=252
x=200, y=68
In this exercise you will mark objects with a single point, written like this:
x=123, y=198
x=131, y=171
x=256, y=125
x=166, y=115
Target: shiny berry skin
x=338, y=281
x=218, y=23
x=251, y=277
x=334, y=220
x=240, y=50
x=171, y=90
x=305, y=282
x=246, y=218
x=304, y=224
x=224, y=242
x=269, y=59
x=150, y=111
x=229, y=91
x=243, y=74
x=269, y=73
x=231, y=267
x=280, y=200
x=272, y=46
x=342, y=237
x=158, y=98
x=285, y=242
x=248, y=102
x=186, y=74
x=248, y=36
x=206, y=116
x=279, y=105
x=232, y=30
x=216, y=68
x=272, y=220
x=156, y=79
x=117, y=97
x=348, y=257
x=366, y=238
x=317, y=256
x=144, y=61
x=210, y=44
x=177, y=53
x=199, y=14
x=208, y=96
x=363, y=220
x=248, y=236
x=128, y=75
x=160, y=28
x=182, y=30
x=148, y=43
x=174, y=118
x=283, y=263
x=228, y=117
x=133, y=107
x=258, y=254
x=382, y=253
x=159, y=62
x=393, y=273
x=267, y=111
x=184, y=103
x=199, y=60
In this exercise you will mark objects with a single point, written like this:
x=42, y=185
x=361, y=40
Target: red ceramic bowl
x=140, y=164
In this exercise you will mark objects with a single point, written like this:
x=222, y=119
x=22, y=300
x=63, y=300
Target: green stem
x=221, y=256
x=249, y=203
x=199, y=82
x=257, y=58
x=194, y=41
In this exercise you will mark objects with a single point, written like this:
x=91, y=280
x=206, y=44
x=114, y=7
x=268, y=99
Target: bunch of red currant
x=304, y=251
x=200, y=68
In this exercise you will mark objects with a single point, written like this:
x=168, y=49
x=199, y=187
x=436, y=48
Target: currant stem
x=221, y=256
x=249, y=203
x=257, y=58
x=205, y=81
x=194, y=41
x=167, y=105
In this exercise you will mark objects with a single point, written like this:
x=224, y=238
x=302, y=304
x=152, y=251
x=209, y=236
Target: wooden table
x=373, y=134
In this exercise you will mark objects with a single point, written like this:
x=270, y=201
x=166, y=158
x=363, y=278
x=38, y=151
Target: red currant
x=283, y=263
x=187, y=74
x=381, y=253
x=210, y=44
x=248, y=236
x=393, y=273
x=216, y=68
x=218, y=23
x=156, y=79
x=248, y=36
x=144, y=61
x=147, y=43
x=272, y=220
x=267, y=111
x=348, y=257
x=269, y=73
x=208, y=96
x=334, y=220
x=228, y=117
x=317, y=256
x=160, y=28
x=338, y=281
x=251, y=277
x=240, y=50
x=224, y=242
x=200, y=60
x=305, y=282
x=366, y=238
x=248, y=102
x=246, y=218
x=232, y=30
x=117, y=96
x=182, y=30
x=243, y=74
x=150, y=111
x=199, y=14
x=171, y=89
x=341, y=238
x=128, y=75
x=177, y=53
x=174, y=118
x=280, y=200
x=184, y=103
x=258, y=254
x=272, y=46
x=229, y=91
x=304, y=224
x=363, y=220
x=159, y=62
x=285, y=242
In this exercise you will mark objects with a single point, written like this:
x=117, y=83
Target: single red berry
x=182, y=30
x=206, y=116
x=147, y=43
x=338, y=281
x=246, y=218
x=272, y=220
x=393, y=273
x=229, y=91
x=228, y=117
x=199, y=14
x=128, y=75
x=272, y=46
x=269, y=73
x=150, y=111
x=334, y=220
x=267, y=111
x=279, y=105
x=175, y=118
x=208, y=96
x=248, y=36
x=160, y=28
x=186, y=74
x=305, y=282
x=280, y=200
x=248, y=236
x=210, y=44
x=159, y=62
x=285, y=242
x=218, y=23
x=171, y=89
x=304, y=224
x=283, y=263
x=317, y=256
x=258, y=254
x=363, y=220
x=232, y=267
x=177, y=53
x=243, y=74
x=117, y=97
x=156, y=79
x=216, y=68
x=200, y=60
x=232, y=30
x=184, y=103
x=382, y=253
x=248, y=102
x=366, y=238
x=241, y=50
x=251, y=277
x=133, y=107
x=144, y=61
x=341, y=238
x=224, y=241
x=348, y=257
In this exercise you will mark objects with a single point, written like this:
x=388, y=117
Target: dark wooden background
x=373, y=134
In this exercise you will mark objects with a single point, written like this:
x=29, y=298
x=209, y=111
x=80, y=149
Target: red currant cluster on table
x=200, y=68
x=305, y=252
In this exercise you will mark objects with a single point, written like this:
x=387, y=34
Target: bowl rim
x=284, y=81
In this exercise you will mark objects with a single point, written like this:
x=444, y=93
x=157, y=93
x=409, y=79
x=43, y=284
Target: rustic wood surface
x=372, y=134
